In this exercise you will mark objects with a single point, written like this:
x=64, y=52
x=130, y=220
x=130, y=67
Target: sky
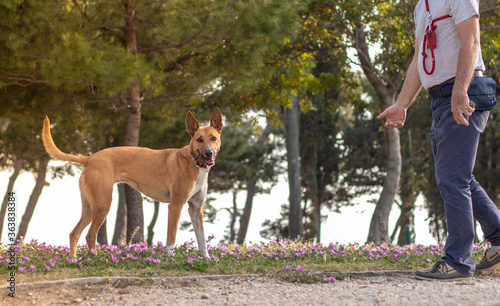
x=59, y=209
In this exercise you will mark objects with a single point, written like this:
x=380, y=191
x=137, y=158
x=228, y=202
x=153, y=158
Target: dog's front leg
x=196, y=213
x=174, y=215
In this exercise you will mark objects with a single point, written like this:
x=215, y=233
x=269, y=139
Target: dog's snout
x=208, y=153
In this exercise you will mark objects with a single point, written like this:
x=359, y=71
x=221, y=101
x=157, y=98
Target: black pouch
x=482, y=92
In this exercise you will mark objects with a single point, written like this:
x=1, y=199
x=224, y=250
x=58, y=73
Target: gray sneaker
x=491, y=259
x=441, y=272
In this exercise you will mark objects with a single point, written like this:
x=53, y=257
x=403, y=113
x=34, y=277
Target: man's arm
x=468, y=31
x=396, y=114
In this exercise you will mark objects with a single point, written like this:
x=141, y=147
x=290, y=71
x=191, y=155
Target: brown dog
x=174, y=176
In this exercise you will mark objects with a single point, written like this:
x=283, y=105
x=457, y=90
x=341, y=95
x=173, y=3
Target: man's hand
x=468, y=31
x=461, y=107
x=396, y=116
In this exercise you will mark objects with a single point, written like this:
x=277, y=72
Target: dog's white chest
x=200, y=184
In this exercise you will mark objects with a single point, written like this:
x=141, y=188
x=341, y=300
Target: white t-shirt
x=448, y=41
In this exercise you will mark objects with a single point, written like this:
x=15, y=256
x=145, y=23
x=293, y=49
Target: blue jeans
x=454, y=148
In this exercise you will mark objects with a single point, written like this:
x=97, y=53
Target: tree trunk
x=406, y=223
x=102, y=234
x=379, y=230
x=133, y=122
x=120, y=235
x=135, y=217
x=408, y=192
x=291, y=123
x=135, y=220
x=37, y=190
x=17, y=169
x=234, y=214
x=152, y=224
x=487, y=165
x=245, y=218
x=317, y=219
x=386, y=90
x=251, y=191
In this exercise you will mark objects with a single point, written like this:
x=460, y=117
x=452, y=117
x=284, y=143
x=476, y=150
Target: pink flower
x=299, y=268
x=151, y=259
x=330, y=279
x=31, y=268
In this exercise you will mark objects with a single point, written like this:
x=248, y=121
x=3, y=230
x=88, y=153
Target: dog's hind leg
x=98, y=218
x=98, y=191
x=99, y=212
x=196, y=213
x=81, y=225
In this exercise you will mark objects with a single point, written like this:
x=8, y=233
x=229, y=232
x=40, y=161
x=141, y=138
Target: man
x=447, y=57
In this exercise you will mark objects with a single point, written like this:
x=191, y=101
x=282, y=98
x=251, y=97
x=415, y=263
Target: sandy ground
x=377, y=288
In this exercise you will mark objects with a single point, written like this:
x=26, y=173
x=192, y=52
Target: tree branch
x=109, y=29
x=181, y=60
x=361, y=47
x=20, y=79
x=497, y=26
x=169, y=45
x=398, y=79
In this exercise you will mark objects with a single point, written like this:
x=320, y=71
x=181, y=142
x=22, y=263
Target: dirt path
x=360, y=289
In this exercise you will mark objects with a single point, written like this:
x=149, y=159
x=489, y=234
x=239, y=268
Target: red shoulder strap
x=430, y=39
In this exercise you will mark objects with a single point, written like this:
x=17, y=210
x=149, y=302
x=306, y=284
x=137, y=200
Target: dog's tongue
x=210, y=161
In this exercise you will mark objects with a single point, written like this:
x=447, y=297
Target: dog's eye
x=213, y=138
x=199, y=140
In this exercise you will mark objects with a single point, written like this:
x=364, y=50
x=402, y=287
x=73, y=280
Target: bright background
x=59, y=208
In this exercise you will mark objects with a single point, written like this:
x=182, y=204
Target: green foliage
x=388, y=27
x=251, y=160
x=243, y=158
x=487, y=163
x=277, y=229
x=490, y=36
x=212, y=45
x=68, y=60
x=291, y=69
x=363, y=166
x=110, y=71
x=294, y=260
x=72, y=55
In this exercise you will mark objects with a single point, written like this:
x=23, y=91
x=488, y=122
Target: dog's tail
x=54, y=151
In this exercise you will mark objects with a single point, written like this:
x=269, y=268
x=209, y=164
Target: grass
x=295, y=260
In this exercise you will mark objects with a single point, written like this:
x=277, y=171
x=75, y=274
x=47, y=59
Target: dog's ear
x=192, y=124
x=216, y=121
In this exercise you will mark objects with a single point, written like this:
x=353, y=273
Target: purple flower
x=330, y=279
x=299, y=268
x=151, y=259
x=132, y=257
x=23, y=259
x=114, y=259
x=287, y=267
x=31, y=269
